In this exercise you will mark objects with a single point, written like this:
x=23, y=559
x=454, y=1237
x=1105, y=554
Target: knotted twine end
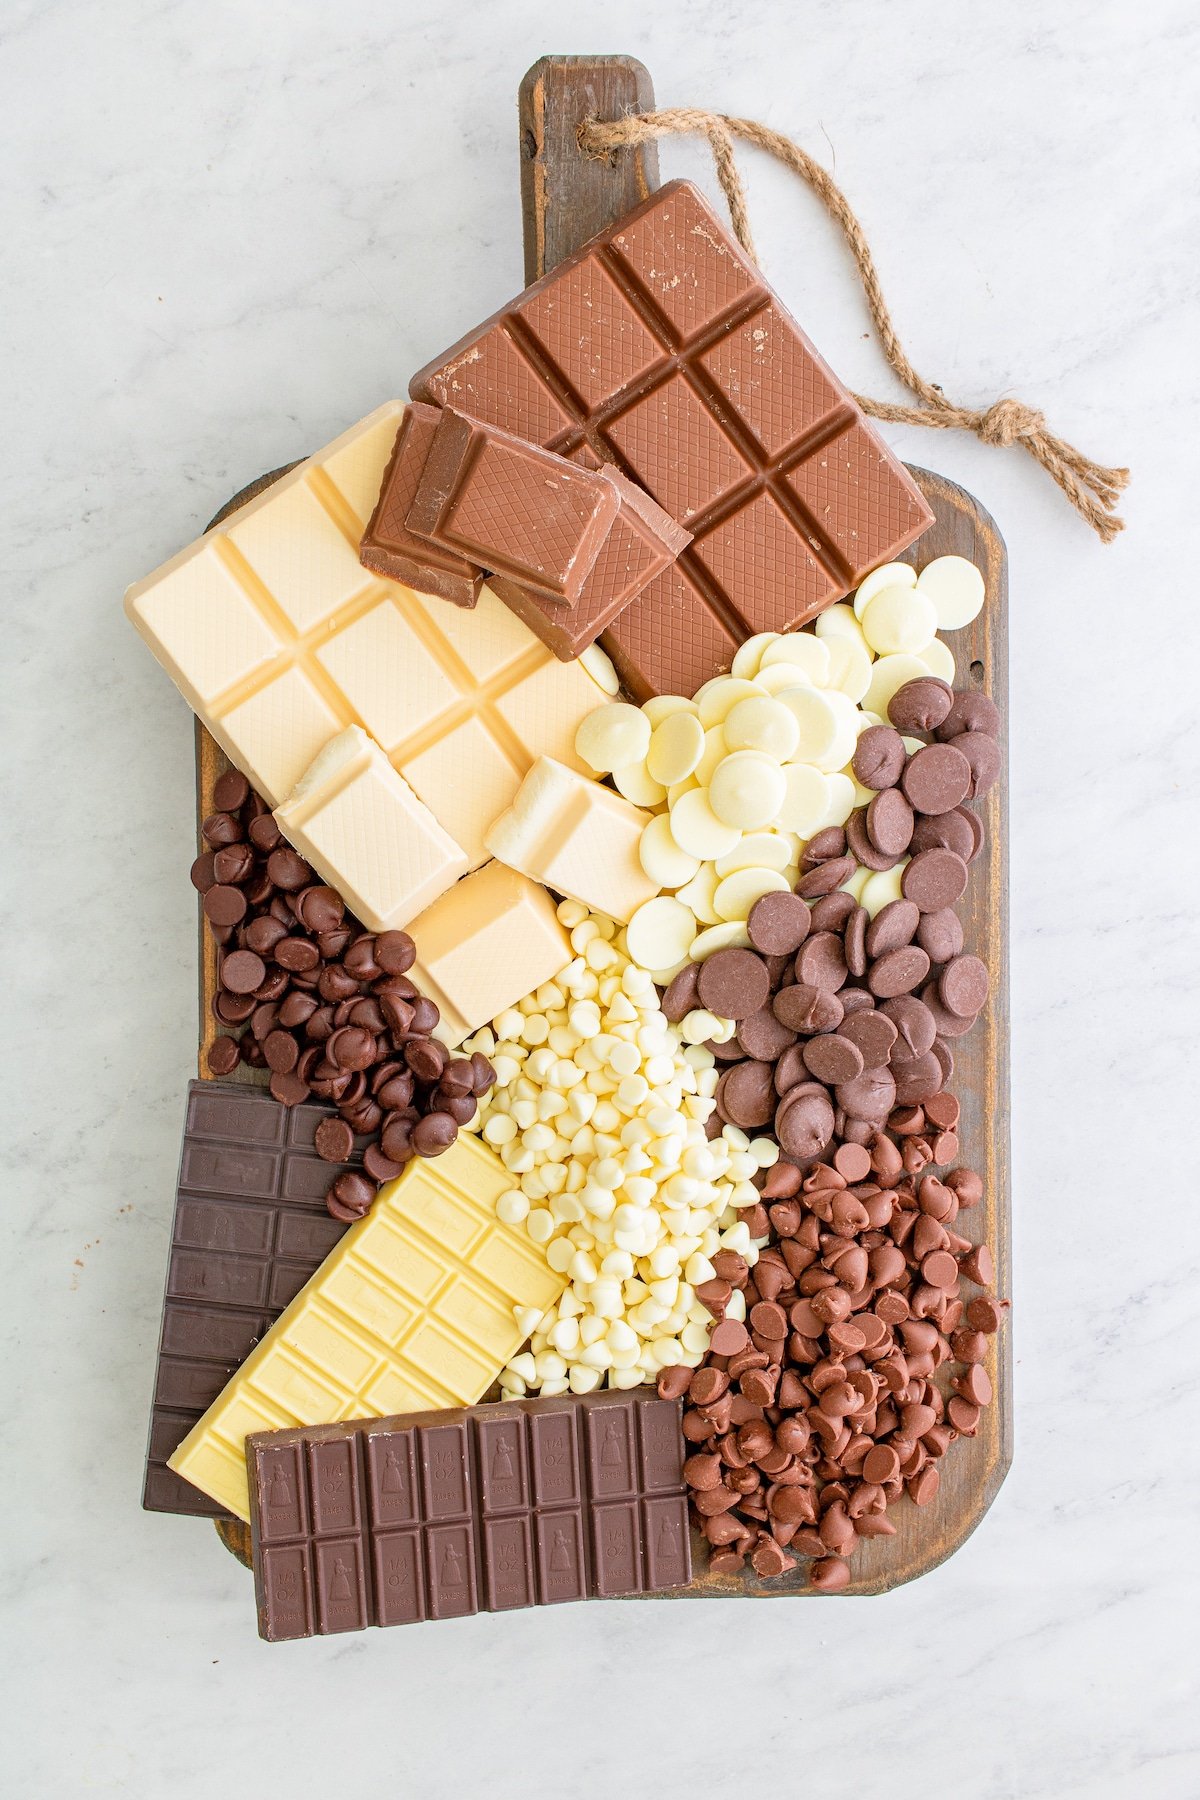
x=1091, y=487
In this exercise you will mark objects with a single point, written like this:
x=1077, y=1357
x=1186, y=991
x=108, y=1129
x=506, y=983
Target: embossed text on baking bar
x=435, y=1515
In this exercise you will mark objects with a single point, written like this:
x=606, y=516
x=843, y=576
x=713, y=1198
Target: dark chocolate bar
x=250, y=1228
x=483, y=1509
x=659, y=347
x=388, y=546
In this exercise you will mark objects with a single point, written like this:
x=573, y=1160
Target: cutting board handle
x=567, y=197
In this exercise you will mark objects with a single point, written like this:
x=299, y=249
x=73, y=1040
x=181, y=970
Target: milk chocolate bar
x=518, y=511
x=389, y=547
x=659, y=347
x=435, y=1515
x=250, y=1227
x=642, y=543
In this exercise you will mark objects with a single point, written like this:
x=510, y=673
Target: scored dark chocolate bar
x=250, y=1228
x=482, y=1509
x=659, y=347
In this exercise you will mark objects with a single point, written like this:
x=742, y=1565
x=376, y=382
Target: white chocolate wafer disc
x=738, y=892
x=778, y=676
x=842, y=801
x=762, y=724
x=819, y=721
x=747, y=789
x=636, y=785
x=939, y=660
x=888, y=676
x=804, y=650
x=748, y=656
x=805, y=801
x=612, y=737
x=849, y=666
x=687, y=786
x=899, y=621
x=839, y=621
x=727, y=936
x=697, y=829
x=759, y=850
x=854, y=884
x=664, y=862
x=599, y=666
x=664, y=706
x=699, y=892
x=717, y=697
x=887, y=575
x=676, y=746
x=846, y=736
x=882, y=888
x=715, y=750
x=956, y=589
x=660, y=933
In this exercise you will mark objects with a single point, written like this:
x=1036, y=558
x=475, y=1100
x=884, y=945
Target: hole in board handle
x=976, y=672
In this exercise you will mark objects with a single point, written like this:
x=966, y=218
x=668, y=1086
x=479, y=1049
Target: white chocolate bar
x=485, y=944
x=577, y=837
x=279, y=638
x=365, y=832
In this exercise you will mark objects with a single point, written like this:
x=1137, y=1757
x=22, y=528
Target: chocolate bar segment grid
x=659, y=347
x=250, y=1228
x=436, y=1515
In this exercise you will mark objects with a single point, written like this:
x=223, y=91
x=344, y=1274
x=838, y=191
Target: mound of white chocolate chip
x=740, y=776
x=598, y=1112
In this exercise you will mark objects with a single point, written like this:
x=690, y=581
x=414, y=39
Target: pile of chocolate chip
x=327, y=1006
x=821, y=1409
x=810, y=1418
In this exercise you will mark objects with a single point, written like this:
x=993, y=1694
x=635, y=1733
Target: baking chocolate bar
x=659, y=347
x=389, y=547
x=643, y=542
x=250, y=1227
x=516, y=510
x=438, y=1514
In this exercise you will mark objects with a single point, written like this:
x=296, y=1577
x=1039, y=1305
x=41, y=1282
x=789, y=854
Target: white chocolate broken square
x=577, y=837
x=365, y=832
x=489, y=941
x=279, y=639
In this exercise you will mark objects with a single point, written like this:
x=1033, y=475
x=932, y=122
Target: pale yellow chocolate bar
x=279, y=638
x=568, y=832
x=413, y=1310
x=365, y=832
x=484, y=945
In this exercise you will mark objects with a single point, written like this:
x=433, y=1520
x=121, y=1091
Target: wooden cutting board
x=566, y=199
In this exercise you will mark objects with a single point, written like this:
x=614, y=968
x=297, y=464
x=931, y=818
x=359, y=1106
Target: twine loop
x=1091, y=487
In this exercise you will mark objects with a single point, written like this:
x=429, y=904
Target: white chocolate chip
x=612, y=737
x=956, y=588
x=892, y=574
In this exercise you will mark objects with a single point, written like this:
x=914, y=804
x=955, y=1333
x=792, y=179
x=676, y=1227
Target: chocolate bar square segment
x=389, y=547
x=643, y=542
x=659, y=347
x=485, y=1508
x=520, y=512
x=250, y=1227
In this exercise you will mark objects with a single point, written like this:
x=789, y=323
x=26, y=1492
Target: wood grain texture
x=567, y=199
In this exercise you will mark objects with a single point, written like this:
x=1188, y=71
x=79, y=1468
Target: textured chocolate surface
x=643, y=542
x=389, y=547
x=250, y=1227
x=513, y=508
x=434, y=1515
x=660, y=348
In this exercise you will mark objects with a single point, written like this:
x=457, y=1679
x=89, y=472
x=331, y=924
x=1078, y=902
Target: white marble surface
x=230, y=229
